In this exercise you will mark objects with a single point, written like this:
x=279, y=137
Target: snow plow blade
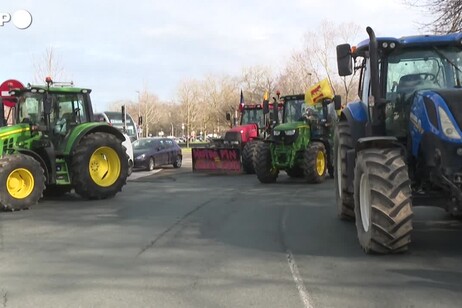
x=216, y=160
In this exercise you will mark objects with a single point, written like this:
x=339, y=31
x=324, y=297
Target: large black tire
x=264, y=169
x=22, y=182
x=99, y=166
x=248, y=157
x=330, y=163
x=342, y=143
x=382, y=198
x=315, y=163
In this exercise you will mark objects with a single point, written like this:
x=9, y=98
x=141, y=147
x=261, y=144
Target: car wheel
x=151, y=164
x=177, y=162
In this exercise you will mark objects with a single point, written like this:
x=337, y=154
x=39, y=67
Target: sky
x=118, y=48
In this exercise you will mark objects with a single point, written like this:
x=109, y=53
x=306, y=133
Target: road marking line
x=302, y=291
x=304, y=295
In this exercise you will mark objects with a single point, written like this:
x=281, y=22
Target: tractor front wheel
x=248, y=154
x=342, y=143
x=266, y=172
x=382, y=198
x=22, y=182
x=99, y=166
x=315, y=163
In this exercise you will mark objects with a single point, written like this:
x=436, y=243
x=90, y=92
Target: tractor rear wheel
x=22, y=182
x=342, y=143
x=383, y=204
x=315, y=163
x=99, y=166
x=266, y=172
x=248, y=154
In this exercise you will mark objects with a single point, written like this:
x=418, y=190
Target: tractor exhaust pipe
x=376, y=106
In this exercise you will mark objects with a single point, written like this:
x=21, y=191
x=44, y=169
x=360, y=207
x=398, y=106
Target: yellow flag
x=318, y=92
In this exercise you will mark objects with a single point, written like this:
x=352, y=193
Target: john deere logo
x=21, y=19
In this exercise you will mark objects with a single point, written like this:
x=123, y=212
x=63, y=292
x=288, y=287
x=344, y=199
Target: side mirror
x=228, y=116
x=265, y=107
x=47, y=103
x=337, y=102
x=344, y=60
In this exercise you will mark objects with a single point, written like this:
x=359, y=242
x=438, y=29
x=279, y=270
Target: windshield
x=30, y=108
x=416, y=69
x=143, y=144
x=294, y=110
x=253, y=116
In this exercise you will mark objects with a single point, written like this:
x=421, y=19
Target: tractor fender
x=356, y=116
x=38, y=158
x=88, y=128
x=381, y=142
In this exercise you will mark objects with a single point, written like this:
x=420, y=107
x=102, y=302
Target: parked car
x=156, y=151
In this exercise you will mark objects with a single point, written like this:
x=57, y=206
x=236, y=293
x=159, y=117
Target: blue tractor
x=400, y=144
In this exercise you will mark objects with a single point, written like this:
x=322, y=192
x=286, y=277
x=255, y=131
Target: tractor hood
x=245, y=127
x=290, y=126
x=247, y=131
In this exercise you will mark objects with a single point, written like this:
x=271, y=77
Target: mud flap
x=216, y=160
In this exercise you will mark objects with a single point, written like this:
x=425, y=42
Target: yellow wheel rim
x=20, y=183
x=320, y=163
x=104, y=166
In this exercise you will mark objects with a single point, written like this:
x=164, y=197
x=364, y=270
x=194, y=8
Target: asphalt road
x=177, y=239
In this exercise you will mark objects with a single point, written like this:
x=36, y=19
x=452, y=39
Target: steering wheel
x=427, y=76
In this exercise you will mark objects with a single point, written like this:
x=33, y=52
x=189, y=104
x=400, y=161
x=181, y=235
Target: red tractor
x=235, y=151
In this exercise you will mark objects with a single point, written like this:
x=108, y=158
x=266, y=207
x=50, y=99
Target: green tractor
x=53, y=145
x=301, y=145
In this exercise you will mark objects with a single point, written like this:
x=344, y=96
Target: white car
x=128, y=146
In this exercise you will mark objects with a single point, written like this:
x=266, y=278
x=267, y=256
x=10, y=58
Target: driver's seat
x=408, y=83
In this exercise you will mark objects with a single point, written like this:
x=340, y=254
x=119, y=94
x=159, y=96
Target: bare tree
x=447, y=14
x=255, y=81
x=48, y=64
x=187, y=97
x=317, y=60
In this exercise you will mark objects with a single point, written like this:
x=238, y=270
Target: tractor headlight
x=277, y=132
x=234, y=142
x=447, y=126
x=290, y=132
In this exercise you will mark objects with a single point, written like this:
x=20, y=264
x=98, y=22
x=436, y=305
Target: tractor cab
x=53, y=110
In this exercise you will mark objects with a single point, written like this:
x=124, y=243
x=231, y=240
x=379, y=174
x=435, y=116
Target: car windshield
x=143, y=144
x=294, y=110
